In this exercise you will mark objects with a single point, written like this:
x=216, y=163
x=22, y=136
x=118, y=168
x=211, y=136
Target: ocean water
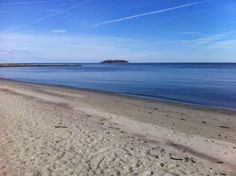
x=212, y=85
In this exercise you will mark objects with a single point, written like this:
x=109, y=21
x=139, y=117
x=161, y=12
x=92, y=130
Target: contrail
x=145, y=14
x=23, y=3
x=47, y=17
x=61, y=11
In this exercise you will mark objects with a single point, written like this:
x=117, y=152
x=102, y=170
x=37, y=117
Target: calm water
x=204, y=84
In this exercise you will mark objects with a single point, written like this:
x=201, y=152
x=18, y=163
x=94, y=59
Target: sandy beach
x=52, y=130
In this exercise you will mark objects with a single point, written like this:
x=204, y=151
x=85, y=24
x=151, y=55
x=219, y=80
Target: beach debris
x=122, y=131
x=204, y=122
x=162, y=150
x=175, y=158
x=59, y=126
x=223, y=174
x=149, y=173
x=183, y=119
x=99, y=163
x=219, y=162
x=162, y=164
x=107, y=132
x=227, y=127
x=187, y=159
x=148, y=152
x=102, y=119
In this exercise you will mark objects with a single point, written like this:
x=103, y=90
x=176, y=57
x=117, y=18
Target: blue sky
x=136, y=30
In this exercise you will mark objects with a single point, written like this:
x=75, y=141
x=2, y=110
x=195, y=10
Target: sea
x=204, y=84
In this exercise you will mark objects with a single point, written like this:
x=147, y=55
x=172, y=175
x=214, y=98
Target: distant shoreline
x=36, y=65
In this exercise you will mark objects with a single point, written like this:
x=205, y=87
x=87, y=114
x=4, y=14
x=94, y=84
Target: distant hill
x=114, y=62
x=35, y=65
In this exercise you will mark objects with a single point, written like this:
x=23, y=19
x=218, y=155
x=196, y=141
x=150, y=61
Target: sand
x=52, y=130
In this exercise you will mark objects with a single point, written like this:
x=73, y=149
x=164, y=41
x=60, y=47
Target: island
x=114, y=62
x=38, y=64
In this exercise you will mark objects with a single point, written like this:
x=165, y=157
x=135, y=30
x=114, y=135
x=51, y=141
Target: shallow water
x=211, y=85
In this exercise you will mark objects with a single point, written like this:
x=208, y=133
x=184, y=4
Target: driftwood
x=224, y=127
x=61, y=127
x=175, y=158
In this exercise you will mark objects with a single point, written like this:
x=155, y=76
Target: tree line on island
x=114, y=62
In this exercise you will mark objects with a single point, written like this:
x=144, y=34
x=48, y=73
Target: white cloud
x=13, y=52
x=74, y=48
x=188, y=33
x=58, y=31
x=225, y=44
x=70, y=48
x=216, y=41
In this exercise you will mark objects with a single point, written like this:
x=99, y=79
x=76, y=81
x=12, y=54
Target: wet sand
x=52, y=130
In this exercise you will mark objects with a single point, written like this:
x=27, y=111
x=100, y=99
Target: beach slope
x=52, y=130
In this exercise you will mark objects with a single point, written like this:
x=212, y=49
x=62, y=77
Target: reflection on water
x=204, y=84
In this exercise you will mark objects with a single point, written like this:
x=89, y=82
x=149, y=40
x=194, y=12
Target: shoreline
x=58, y=130
x=38, y=65
x=138, y=97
